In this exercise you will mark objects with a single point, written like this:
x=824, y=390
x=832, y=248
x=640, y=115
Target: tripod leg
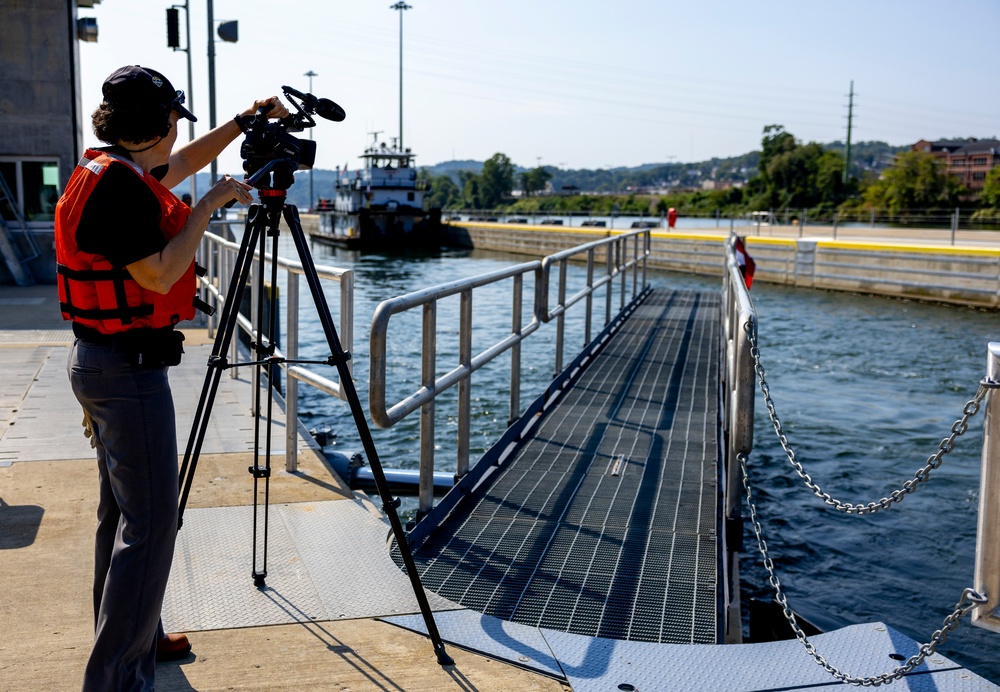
x=389, y=503
x=217, y=361
x=264, y=351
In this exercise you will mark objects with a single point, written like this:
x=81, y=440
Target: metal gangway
x=507, y=540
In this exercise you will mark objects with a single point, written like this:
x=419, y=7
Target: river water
x=866, y=389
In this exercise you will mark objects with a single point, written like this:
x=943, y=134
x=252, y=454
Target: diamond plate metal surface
x=519, y=644
x=325, y=561
x=860, y=650
x=599, y=665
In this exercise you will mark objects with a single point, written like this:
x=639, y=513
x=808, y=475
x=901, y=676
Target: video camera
x=270, y=148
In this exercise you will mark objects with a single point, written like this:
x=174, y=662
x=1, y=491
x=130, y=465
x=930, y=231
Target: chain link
x=951, y=621
x=959, y=428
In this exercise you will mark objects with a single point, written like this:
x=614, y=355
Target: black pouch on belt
x=158, y=349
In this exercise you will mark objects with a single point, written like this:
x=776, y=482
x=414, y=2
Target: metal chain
x=960, y=427
x=940, y=636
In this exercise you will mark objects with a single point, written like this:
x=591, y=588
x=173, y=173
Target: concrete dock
x=48, y=501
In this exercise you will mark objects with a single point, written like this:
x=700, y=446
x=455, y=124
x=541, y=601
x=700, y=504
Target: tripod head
x=271, y=154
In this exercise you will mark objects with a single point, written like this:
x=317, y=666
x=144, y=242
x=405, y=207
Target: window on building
x=979, y=175
x=33, y=185
x=958, y=162
x=978, y=160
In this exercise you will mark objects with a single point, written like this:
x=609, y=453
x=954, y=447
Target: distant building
x=969, y=160
x=41, y=126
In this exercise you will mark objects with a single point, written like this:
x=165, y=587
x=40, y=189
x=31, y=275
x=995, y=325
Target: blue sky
x=582, y=84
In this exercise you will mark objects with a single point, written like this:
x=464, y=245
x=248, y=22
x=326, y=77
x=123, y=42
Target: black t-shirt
x=121, y=219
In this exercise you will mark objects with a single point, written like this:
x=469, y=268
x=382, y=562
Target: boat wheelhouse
x=381, y=205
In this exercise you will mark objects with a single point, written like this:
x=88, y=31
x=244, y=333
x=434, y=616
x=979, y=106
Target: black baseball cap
x=144, y=85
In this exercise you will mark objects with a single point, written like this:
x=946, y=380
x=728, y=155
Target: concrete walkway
x=48, y=501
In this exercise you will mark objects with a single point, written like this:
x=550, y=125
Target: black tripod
x=264, y=219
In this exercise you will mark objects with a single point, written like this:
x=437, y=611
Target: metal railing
x=987, y=577
x=739, y=390
x=617, y=262
x=431, y=385
x=219, y=256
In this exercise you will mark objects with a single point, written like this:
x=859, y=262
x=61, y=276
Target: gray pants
x=133, y=419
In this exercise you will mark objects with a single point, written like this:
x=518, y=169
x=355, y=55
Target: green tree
x=990, y=196
x=915, y=181
x=471, y=190
x=792, y=174
x=533, y=181
x=496, y=181
x=776, y=142
x=443, y=192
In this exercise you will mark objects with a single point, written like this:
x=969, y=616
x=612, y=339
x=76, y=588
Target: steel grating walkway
x=604, y=522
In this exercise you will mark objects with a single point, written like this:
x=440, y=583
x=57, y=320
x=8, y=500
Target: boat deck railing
x=622, y=255
x=219, y=256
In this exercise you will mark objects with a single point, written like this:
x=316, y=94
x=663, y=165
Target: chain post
x=987, y=575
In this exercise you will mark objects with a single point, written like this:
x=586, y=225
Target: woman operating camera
x=125, y=249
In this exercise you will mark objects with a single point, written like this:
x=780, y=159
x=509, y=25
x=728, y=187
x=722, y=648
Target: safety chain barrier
x=960, y=427
x=939, y=637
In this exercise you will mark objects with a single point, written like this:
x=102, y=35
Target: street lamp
x=400, y=6
x=310, y=74
x=228, y=33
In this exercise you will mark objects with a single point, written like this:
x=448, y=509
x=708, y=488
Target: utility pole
x=228, y=32
x=310, y=74
x=400, y=6
x=850, y=116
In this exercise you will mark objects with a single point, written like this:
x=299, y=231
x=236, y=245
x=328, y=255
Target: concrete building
x=41, y=126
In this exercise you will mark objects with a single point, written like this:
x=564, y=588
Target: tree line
x=790, y=175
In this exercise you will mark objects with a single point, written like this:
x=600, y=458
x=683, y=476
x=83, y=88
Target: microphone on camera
x=324, y=108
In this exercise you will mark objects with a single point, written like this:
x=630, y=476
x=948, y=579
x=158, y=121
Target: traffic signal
x=173, y=28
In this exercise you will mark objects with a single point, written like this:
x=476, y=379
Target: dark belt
x=152, y=348
x=127, y=340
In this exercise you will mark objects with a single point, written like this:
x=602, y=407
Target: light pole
x=227, y=32
x=310, y=74
x=211, y=82
x=400, y=6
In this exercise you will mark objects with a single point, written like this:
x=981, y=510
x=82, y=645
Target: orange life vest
x=93, y=293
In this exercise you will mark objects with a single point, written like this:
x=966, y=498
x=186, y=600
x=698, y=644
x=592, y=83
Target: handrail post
x=515, y=351
x=291, y=384
x=620, y=257
x=635, y=266
x=590, y=297
x=561, y=319
x=610, y=290
x=427, y=373
x=465, y=384
x=346, y=320
x=647, y=246
x=987, y=577
x=213, y=255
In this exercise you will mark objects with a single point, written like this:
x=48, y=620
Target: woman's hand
x=228, y=188
x=277, y=108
